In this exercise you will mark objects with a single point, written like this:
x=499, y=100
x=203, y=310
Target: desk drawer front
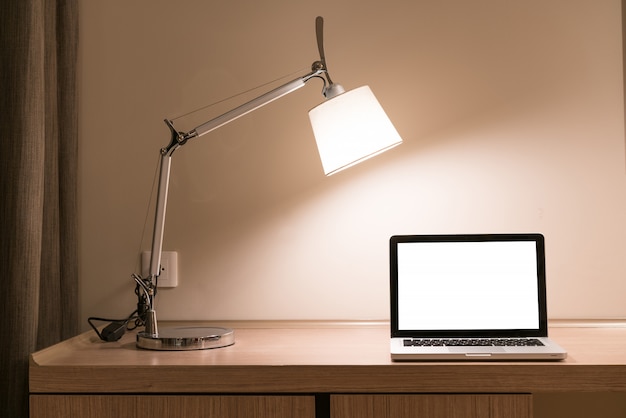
x=159, y=406
x=431, y=406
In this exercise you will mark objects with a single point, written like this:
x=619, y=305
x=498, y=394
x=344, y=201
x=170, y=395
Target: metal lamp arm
x=179, y=139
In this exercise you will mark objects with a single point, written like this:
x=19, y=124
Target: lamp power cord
x=118, y=327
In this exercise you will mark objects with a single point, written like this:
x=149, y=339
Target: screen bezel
x=542, y=331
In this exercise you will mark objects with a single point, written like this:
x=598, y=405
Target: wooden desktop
x=311, y=369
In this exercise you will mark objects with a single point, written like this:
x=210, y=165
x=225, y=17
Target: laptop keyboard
x=472, y=342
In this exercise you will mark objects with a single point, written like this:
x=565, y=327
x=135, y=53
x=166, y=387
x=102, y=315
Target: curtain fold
x=38, y=187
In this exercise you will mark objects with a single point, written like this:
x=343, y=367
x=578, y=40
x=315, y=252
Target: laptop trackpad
x=476, y=350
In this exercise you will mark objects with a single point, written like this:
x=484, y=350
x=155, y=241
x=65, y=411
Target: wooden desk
x=311, y=370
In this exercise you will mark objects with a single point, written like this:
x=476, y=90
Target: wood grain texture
x=431, y=406
x=136, y=406
x=315, y=358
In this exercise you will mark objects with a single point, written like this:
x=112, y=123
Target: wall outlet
x=169, y=268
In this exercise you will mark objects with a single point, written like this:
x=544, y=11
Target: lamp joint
x=178, y=139
x=318, y=66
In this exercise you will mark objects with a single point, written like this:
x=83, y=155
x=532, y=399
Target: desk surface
x=308, y=357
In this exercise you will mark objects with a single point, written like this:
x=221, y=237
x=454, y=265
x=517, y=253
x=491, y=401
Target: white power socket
x=169, y=268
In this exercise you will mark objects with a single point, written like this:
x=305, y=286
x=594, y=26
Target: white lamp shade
x=351, y=128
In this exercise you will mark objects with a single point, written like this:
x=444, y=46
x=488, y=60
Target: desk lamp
x=349, y=127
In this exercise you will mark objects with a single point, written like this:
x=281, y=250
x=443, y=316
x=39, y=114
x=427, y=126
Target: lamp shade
x=351, y=128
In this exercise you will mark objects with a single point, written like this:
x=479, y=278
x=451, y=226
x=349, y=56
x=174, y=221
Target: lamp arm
x=179, y=139
x=254, y=104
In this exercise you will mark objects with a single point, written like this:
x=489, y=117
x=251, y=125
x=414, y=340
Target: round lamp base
x=186, y=338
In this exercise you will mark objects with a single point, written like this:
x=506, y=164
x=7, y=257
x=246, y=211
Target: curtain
x=38, y=187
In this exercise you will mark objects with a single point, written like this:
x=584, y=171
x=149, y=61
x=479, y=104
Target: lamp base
x=186, y=338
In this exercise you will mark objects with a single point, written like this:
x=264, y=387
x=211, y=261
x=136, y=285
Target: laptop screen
x=455, y=285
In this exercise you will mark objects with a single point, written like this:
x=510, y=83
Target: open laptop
x=469, y=297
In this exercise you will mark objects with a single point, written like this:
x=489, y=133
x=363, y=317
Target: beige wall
x=511, y=112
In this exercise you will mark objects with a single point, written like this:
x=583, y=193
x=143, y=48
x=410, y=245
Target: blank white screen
x=467, y=285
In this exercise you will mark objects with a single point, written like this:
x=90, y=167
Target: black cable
x=117, y=327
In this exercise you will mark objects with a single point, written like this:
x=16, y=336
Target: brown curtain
x=38, y=206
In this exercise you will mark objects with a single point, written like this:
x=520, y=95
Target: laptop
x=469, y=297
